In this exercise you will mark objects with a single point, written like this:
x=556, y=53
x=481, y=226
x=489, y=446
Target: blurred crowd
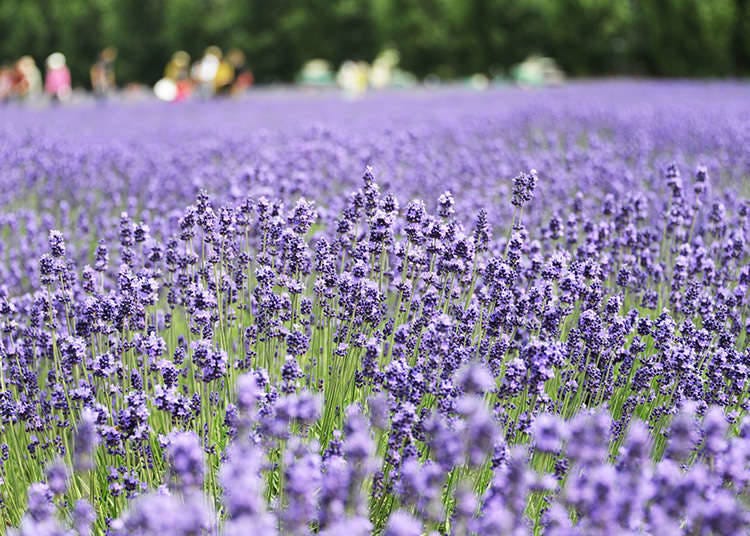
x=212, y=74
x=23, y=80
x=357, y=77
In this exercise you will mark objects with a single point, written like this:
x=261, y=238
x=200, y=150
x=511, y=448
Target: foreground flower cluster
x=529, y=322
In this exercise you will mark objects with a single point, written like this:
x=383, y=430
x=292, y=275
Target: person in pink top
x=57, y=82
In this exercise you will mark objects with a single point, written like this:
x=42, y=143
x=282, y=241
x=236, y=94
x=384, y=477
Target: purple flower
x=684, y=434
x=57, y=475
x=186, y=460
x=523, y=188
x=84, y=517
x=715, y=427
x=241, y=479
x=56, y=243
x=39, y=502
x=549, y=433
x=350, y=526
x=86, y=440
x=401, y=523
x=249, y=392
x=589, y=437
x=156, y=514
x=474, y=378
x=302, y=477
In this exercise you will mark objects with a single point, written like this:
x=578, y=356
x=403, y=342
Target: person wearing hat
x=57, y=82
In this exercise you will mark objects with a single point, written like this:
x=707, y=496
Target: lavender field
x=429, y=312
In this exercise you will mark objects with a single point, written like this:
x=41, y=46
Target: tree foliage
x=445, y=37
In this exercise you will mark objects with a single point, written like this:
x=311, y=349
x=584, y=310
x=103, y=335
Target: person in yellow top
x=224, y=72
x=178, y=67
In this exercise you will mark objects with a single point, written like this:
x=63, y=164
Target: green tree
x=40, y=27
x=136, y=28
x=590, y=36
x=741, y=37
x=684, y=37
x=420, y=31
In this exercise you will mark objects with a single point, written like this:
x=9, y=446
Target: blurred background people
x=316, y=73
x=177, y=71
x=29, y=79
x=213, y=74
x=353, y=77
x=176, y=85
x=224, y=74
x=178, y=67
x=204, y=72
x=57, y=82
x=383, y=67
x=243, y=76
x=103, y=73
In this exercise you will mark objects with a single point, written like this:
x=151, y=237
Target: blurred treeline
x=449, y=38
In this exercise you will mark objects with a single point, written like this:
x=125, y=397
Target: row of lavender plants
x=530, y=317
